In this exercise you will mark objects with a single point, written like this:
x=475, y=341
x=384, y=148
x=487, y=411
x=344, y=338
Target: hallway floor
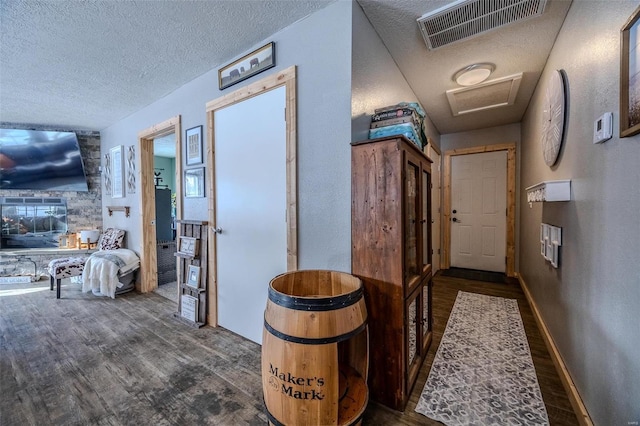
x=93, y=360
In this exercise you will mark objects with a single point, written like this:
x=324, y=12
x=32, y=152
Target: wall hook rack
x=124, y=209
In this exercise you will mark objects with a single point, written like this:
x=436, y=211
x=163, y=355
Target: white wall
x=320, y=46
x=591, y=303
x=376, y=79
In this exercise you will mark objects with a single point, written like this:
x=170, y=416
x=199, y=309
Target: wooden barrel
x=315, y=349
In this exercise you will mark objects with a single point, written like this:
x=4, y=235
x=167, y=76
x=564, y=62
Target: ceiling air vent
x=467, y=18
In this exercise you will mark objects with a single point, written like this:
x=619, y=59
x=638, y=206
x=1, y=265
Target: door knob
x=455, y=219
x=217, y=230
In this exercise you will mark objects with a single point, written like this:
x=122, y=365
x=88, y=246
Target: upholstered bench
x=73, y=266
x=65, y=268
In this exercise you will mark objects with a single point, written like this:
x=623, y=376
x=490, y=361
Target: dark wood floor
x=88, y=360
x=445, y=290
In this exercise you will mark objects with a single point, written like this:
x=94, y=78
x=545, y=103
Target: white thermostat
x=603, y=128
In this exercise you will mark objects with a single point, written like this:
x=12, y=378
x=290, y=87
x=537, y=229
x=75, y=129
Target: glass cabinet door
x=414, y=344
x=426, y=218
x=413, y=330
x=426, y=316
x=413, y=267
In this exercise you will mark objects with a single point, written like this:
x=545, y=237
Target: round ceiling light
x=473, y=74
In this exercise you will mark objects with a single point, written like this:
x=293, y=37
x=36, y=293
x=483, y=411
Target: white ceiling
x=165, y=146
x=86, y=65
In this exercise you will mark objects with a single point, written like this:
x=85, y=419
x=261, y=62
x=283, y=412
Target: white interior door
x=435, y=208
x=479, y=211
x=250, y=165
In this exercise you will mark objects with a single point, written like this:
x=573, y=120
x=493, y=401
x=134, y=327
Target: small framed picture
x=194, y=183
x=193, y=276
x=194, y=146
x=188, y=246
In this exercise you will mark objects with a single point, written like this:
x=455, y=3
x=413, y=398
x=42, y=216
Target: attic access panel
x=487, y=95
x=468, y=18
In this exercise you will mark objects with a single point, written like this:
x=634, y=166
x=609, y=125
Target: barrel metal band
x=314, y=341
x=315, y=304
x=272, y=419
x=276, y=422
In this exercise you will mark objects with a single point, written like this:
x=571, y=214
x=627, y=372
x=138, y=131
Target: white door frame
x=511, y=202
x=285, y=78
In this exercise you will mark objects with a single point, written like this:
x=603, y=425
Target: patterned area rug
x=483, y=373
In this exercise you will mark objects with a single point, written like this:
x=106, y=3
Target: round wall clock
x=553, y=118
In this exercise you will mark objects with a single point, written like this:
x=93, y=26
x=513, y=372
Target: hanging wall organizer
x=551, y=190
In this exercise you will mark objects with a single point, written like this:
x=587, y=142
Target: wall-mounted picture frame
x=249, y=65
x=106, y=172
x=188, y=246
x=194, y=146
x=117, y=171
x=131, y=169
x=630, y=76
x=193, y=276
x=194, y=183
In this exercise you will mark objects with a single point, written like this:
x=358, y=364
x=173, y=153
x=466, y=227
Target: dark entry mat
x=473, y=274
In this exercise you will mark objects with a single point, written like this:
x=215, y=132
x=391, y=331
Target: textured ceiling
x=165, y=146
x=87, y=64
x=520, y=47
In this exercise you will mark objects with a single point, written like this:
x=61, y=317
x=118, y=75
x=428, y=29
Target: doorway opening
x=147, y=196
x=510, y=149
x=165, y=182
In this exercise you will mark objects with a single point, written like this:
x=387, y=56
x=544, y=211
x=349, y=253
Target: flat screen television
x=41, y=160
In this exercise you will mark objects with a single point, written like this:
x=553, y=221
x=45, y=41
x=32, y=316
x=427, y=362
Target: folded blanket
x=126, y=259
x=102, y=268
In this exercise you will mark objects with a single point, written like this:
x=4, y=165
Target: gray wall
x=376, y=79
x=590, y=303
x=320, y=46
x=490, y=136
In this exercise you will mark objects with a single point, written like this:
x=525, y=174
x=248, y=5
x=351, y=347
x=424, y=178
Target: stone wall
x=83, y=208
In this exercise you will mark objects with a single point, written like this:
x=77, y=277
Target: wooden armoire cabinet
x=391, y=253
